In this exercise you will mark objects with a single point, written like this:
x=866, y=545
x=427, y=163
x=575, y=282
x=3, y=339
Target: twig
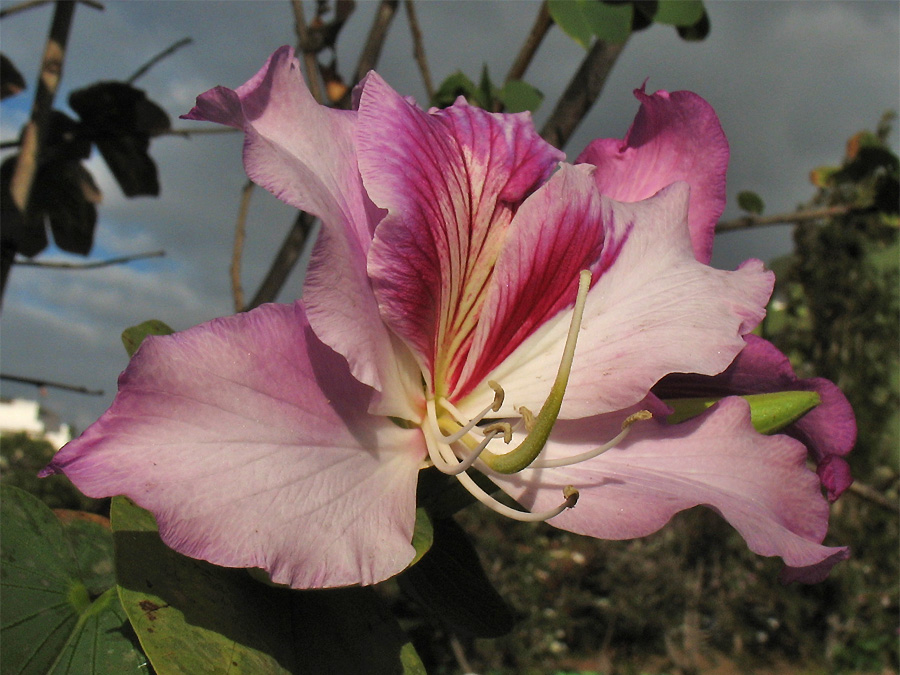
x=539, y=30
x=23, y=176
x=419, y=48
x=870, y=494
x=185, y=133
x=748, y=221
x=368, y=59
x=459, y=653
x=284, y=262
x=583, y=90
x=47, y=383
x=309, y=57
x=240, y=229
x=159, y=57
x=59, y=265
x=28, y=4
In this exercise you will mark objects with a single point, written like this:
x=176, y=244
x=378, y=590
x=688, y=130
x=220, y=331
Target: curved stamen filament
x=570, y=494
x=471, y=424
x=590, y=454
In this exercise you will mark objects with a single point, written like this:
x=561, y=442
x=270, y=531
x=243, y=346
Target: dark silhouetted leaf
x=697, y=32
x=64, y=194
x=120, y=120
x=11, y=80
x=450, y=583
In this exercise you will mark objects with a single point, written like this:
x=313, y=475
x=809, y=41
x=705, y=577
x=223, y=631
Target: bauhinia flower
x=472, y=303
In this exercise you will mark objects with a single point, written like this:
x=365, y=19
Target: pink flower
x=458, y=263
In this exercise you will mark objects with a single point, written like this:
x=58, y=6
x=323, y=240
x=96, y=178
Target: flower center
x=454, y=447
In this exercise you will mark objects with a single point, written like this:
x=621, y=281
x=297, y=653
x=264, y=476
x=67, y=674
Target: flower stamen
x=590, y=454
x=569, y=493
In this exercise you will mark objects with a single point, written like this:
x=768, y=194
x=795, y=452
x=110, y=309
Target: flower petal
x=249, y=441
x=674, y=137
x=828, y=430
x=759, y=484
x=305, y=154
x=653, y=310
x=450, y=181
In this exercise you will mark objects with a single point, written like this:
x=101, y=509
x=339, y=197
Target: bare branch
x=870, y=494
x=284, y=262
x=29, y=4
x=539, y=30
x=159, y=57
x=419, y=48
x=309, y=57
x=368, y=59
x=48, y=383
x=59, y=265
x=584, y=88
x=748, y=221
x=240, y=229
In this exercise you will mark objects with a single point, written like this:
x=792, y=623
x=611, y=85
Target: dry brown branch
x=287, y=257
x=539, y=30
x=187, y=133
x=59, y=265
x=240, y=229
x=309, y=56
x=419, y=48
x=583, y=89
x=159, y=57
x=870, y=494
x=48, y=383
x=749, y=221
x=368, y=59
x=29, y=4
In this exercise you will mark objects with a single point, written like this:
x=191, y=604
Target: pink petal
x=653, y=310
x=674, y=137
x=828, y=430
x=760, y=484
x=450, y=180
x=305, y=155
x=249, y=441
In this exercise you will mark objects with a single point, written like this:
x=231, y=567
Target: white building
x=18, y=415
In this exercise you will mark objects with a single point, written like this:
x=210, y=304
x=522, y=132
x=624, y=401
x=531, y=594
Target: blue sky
x=791, y=81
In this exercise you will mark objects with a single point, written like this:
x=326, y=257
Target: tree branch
x=284, y=262
x=419, y=48
x=539, y=30
x=159, y=57
x=49, y=264
x=748, y=221
x=368, y=59
x=239, y=229
x=583, y=90
x=29, y=4
x=48, y=383
x=309, y=56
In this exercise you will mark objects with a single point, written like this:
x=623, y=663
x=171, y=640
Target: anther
x=499, y=395
x=570, y=494
x=504, y=428
x=527, y=418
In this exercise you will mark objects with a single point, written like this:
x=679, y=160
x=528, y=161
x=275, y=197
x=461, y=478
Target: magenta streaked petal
x=249, y=441
x=759, y=484
x=674, y=137
x=654, y=310
x=450, y=181
x=828, y=430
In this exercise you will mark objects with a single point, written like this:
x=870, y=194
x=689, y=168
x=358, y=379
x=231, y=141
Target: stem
x=47, y=383
x=419, y=49
x=749, y=221
x=159, y=57
x=309, y=57
x=285, y=260
x=539, y=30
x=584, y=88
x=239, y=229
x=368, y=59
x=49, y=264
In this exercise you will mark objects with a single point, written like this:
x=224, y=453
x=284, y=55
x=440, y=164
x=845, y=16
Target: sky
x=790, y=81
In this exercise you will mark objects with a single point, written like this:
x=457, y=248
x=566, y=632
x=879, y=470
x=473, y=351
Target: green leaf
x=518, y=96
x=679, y=12
x=48, y=619
x=584, y=19
x=750, y=202
x=696, y=32
x=769, y=413
x=132, y=337
x=450, y=583
x=457, y=84
x=423, y=535
x=194, y=617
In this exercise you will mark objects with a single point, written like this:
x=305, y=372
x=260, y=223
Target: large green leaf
x=582, y=20
x=679, y=12
x=50, y=572
x=193, y=617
